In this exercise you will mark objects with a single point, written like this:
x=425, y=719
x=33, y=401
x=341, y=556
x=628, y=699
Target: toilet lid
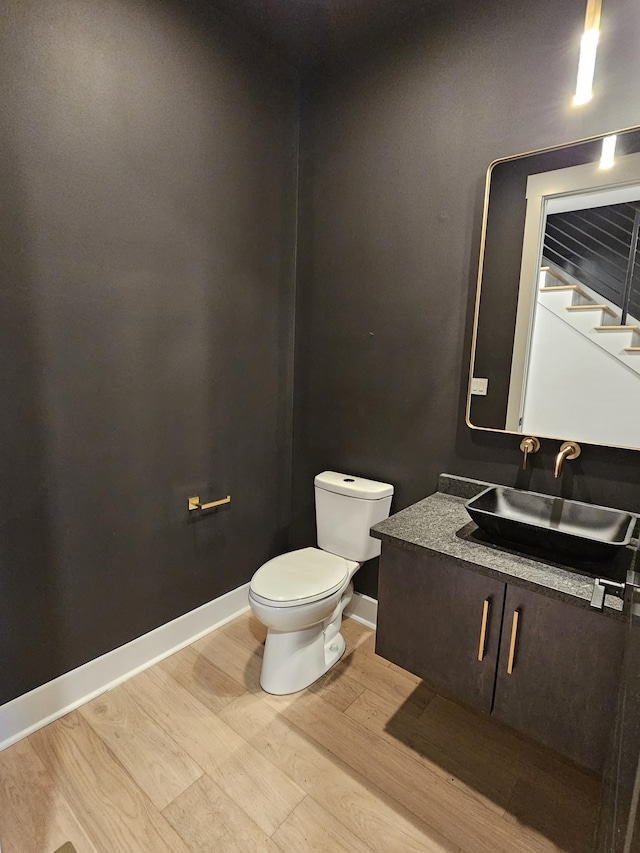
x=305, y=575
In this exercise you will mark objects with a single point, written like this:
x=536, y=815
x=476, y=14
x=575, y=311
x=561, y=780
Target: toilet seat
x=300, y=577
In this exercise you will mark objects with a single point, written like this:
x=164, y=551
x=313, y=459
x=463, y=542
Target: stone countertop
x=441, y=524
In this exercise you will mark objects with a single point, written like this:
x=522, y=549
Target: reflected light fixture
x=588, y=49
x=607, y=158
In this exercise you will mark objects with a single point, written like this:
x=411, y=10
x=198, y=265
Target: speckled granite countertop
x=441, y=524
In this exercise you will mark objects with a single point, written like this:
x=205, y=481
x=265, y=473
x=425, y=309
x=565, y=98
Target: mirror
x=556, y=339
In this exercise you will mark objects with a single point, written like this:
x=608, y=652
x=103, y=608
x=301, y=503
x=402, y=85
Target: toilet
x=300, y=596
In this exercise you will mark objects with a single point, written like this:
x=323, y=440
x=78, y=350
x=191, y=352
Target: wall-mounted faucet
x=528, y=445
x=568, y=450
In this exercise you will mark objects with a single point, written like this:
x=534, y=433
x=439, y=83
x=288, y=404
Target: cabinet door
x=565, y=672
x=430, y=618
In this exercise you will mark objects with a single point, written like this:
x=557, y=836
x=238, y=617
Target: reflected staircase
x=592, y=316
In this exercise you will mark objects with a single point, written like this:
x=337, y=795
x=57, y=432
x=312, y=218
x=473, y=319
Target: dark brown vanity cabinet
x=552, y=672
x=431, y=613
x=564, y=678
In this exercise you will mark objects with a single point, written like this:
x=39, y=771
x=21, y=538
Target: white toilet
x=300, y=596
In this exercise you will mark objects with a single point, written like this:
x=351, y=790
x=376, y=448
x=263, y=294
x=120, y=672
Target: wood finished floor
x=192, y=756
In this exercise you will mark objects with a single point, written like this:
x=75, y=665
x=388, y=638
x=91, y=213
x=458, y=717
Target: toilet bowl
x=300, y=596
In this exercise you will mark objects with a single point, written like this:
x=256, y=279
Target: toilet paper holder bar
x=194, y=503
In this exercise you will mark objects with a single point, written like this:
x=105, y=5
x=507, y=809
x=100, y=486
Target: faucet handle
x=528, y=445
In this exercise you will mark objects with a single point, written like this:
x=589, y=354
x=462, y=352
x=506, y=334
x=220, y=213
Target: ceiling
x=313, y=32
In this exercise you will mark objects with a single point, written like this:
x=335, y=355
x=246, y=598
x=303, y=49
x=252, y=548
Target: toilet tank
x=346, y=507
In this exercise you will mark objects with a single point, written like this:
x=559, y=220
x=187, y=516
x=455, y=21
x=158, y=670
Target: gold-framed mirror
x=556, y=335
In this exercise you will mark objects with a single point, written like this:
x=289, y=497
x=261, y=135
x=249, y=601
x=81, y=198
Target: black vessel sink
x=556, y=525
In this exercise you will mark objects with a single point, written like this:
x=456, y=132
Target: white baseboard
x=363, y=609
x=29, y=712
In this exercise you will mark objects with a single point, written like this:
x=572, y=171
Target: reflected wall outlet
x=479, y=386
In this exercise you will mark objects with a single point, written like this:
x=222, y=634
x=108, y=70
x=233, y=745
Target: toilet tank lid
x=355, y=487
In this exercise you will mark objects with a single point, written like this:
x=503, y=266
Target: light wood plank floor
x=192, y=756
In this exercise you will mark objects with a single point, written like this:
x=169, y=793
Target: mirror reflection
x=557, y=333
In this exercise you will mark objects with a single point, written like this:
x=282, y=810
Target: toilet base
x=295, y=659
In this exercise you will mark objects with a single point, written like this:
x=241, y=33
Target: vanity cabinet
x=553, y=675
x=430, y=617
x=564, y=678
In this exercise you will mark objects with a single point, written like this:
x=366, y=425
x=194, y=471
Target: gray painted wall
x=146, y=297
x=395, y=146
x=148, y=162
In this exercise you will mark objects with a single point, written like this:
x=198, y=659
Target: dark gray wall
x=147, y=227
x=395, y=148
x=147, y=163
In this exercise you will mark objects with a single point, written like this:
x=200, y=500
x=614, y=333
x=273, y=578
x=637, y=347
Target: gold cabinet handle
x=483, y=628
x=512, y=644
x=194, y=503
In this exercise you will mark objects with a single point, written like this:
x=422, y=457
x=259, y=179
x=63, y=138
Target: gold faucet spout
x=568, y=450
x=557, y=468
